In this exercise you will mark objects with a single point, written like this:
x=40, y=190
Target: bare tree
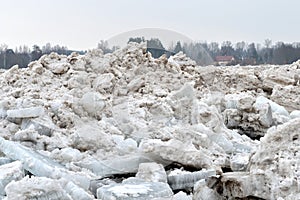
x=3, y=47
x=268, y=43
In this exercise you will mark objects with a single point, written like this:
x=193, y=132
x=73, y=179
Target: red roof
x=224, y=58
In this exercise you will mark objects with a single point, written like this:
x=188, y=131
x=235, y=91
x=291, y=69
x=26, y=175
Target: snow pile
x=123, y=125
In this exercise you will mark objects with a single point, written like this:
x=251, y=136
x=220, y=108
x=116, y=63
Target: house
x=224, y=60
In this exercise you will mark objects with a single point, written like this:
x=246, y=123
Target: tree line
x=23, y=55
x=243, y=53
x=203, y=53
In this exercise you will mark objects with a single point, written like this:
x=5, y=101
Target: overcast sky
x=81, y=24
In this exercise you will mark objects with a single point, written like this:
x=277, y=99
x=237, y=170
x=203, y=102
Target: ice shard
x=41, y=165
x=77, y=192
x=187, y=180
x=118, y=165
x=43, y=125
x=25, y=112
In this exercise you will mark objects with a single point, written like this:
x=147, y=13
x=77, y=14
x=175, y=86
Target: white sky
x=81, y=24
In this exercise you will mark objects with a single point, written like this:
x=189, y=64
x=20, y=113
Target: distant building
x=224, y=60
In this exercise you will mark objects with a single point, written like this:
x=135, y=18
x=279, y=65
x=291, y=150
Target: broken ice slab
x=98, y=183
x=5, y=160
x=152, y=172
x=177, y=151
x=41, y=165
x=43, y=125
x=203, y=192
x=38, y=188
x=265, y=115
x=240, y=185
x=117, y=165
x=9, y=172
x=124, y=146
x=222, y=141
x=187, y=180
x=239, y=162
x=41, y=188
x=135, y=189
x=26, y=112
x=186, y=91
x=93, y=102
x=261, y=101
x=77, y=192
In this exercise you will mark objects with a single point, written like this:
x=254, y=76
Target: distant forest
x=206, y=53
x=23, y=55
x=202, y=52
